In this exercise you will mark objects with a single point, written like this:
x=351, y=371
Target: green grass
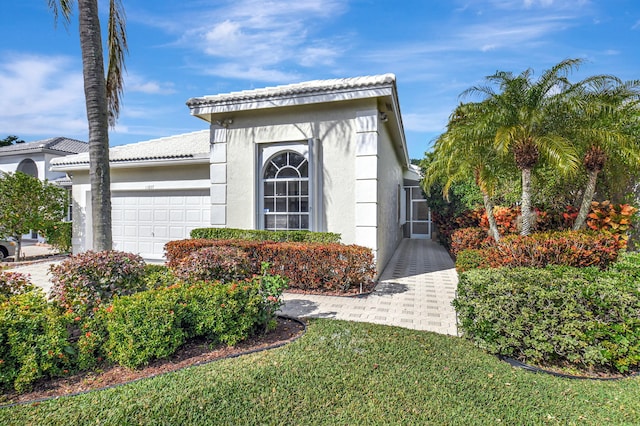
x=350, y=373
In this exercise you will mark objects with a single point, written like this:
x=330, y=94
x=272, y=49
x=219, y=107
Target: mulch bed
x=569, y=371
x=195, y=352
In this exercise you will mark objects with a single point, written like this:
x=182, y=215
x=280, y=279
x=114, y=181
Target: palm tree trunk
x=587, y=198
x=493, y=225
x=95, y=90
x=526, y=202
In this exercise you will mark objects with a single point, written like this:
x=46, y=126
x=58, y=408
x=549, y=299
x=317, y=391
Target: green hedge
x=555, y=315
x=261, y=235
x=59, y=235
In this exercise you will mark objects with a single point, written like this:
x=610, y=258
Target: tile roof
x=60, y=144
x=188, y=145
x=308, y=87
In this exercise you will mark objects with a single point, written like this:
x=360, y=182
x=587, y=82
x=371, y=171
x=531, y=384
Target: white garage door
x=143, y=221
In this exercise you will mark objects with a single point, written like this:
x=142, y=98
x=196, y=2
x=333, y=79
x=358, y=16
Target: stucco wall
x=331, y=126
x=10, y=164
x=390, y=180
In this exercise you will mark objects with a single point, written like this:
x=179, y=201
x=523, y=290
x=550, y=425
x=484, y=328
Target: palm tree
x=102, y=96
x=530, y=117
x=611, y=130
x=461, y=152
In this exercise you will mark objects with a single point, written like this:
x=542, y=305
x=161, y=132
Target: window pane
x=294, y=204
x=281, y=188
x=288, y=172
x=293, y=188
x=304, y=204
x=420, y=211
x=280, y=160
x=294, y=222
x=420, y=227
x=269, y=222
x=281, y=221
x=269, y=188
x=295, y=160
x=416, y=194
x=304, y=169
x=304, y=187
x=269, y=205
x=281, y=204
x=304, y=222
x=270, y=172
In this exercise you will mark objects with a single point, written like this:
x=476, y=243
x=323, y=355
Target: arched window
x=286, y=192
x=28, y=167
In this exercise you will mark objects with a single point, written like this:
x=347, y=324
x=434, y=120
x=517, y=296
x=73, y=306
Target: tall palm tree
x=102, y=97
x=611, y=130
x=530, y=118
x=461, y=152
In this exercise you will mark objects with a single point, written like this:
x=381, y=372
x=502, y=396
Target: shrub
x=217, y=263
x=613, y=218
x=555, y=315
x=13, y=283
x=469, y=238
x=156, y=276
x=262, y=235
x=86, y=280
x=308, y=266
x=569, y=248
x=34, y=341
x=143, y=326
x=59, y=234
x=153, y=324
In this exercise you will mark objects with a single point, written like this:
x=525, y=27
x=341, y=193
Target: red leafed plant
x=616, y=219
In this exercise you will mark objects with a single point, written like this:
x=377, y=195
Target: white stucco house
x=326, y=155
x=34, y=158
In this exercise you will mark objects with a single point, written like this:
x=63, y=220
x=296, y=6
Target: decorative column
x=367, y=179
x=218, y=175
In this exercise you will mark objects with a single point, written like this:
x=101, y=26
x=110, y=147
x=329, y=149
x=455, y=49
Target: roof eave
x=159, y=162
x=205, y=109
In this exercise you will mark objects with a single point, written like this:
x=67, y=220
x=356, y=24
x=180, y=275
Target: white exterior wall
x=332, y=128
x=390, y=184
x=9, y=164
x=179, y=177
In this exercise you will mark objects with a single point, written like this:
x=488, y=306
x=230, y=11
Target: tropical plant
x=102, y=95
x=464, y=150
x=609, y=132
x=28, y=203
x=530, y=119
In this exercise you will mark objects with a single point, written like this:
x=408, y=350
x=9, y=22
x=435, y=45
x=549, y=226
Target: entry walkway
x=414, y=291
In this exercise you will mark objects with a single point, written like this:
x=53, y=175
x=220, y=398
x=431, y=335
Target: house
x=326, y=155
x=34, y=158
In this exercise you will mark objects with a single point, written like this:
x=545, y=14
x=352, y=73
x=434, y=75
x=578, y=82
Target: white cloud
x=257, y=39
x=41, y=95
x=136, y=83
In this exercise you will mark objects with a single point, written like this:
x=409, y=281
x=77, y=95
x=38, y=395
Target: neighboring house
x=324, y=155
x=34, y=158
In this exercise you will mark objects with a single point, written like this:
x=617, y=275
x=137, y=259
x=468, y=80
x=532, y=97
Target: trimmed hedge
x=308, y=266
x=569, y=248
x=262, y=235
x=585, y=317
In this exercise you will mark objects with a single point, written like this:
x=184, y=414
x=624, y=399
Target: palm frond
x=117, y=50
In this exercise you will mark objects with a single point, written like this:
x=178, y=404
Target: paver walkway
x=414, y=291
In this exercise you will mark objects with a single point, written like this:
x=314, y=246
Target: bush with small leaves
x=217, y=263
x=584, y=317
x=87, y=280
x=34, y=341
x=13, y=283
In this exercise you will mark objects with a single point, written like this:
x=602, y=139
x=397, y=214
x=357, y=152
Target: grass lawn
x=350, y=373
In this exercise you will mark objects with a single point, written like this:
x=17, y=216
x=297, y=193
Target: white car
x=7, y=249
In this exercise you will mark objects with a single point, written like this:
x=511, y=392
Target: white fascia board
x=132, y=164
x=290, y=100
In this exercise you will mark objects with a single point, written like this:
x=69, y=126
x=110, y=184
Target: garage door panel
x=144, y=221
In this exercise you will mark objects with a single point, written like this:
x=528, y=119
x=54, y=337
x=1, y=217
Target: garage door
x=143, y=221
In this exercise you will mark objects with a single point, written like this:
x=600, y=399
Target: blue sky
x=182, y=49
